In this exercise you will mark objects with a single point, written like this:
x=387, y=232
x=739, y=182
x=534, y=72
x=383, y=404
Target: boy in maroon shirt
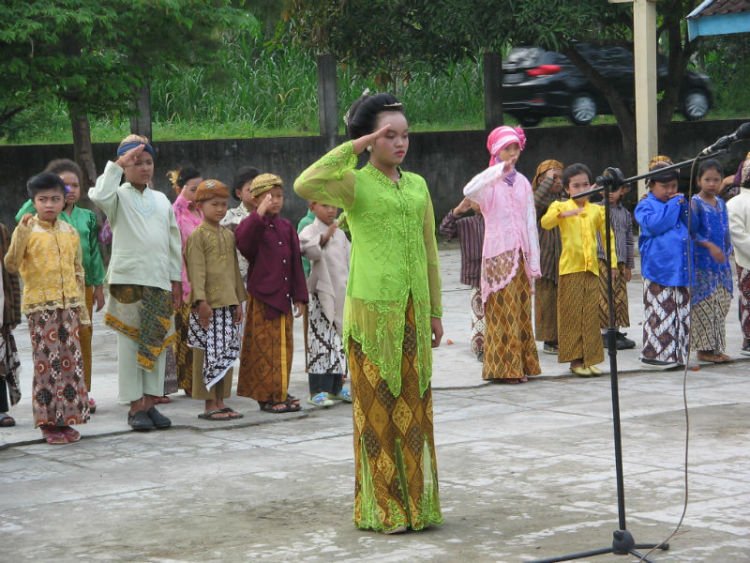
x=277, y=291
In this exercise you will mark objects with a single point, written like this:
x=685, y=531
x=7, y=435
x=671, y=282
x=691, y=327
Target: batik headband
x=125, y=147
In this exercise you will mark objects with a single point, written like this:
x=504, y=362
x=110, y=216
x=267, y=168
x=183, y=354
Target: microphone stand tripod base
x=623, y=542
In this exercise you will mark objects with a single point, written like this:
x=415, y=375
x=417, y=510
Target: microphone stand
x=623, y=542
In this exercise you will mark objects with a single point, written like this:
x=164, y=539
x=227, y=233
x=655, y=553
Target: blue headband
x=122, y=149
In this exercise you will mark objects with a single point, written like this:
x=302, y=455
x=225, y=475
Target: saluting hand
x=129, y=158
x=366, y=140
x=265, y=203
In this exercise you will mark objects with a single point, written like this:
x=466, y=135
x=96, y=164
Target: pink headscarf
x=501, y=137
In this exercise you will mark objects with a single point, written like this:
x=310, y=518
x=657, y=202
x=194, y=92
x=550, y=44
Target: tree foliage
x=385, y=38
x=94, y=55
x=97, y=53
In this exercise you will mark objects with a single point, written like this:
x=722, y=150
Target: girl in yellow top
x=47, y=253
x=579, y=221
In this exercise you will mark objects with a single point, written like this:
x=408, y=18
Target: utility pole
x=644, y=58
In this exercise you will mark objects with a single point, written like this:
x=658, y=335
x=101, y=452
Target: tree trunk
x=140, y=121
x=622, y=111
x=83, y=152
x=327, y=107
x=493, y=90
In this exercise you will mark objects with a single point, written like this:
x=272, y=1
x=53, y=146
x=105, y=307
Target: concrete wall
x=447, y=160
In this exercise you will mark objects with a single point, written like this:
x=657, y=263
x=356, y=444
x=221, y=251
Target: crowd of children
x=194, y=286
x=684, y=248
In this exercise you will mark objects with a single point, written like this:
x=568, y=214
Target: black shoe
x=659, y=363
x=140, y=421
x=159, y=421
x=624, y=343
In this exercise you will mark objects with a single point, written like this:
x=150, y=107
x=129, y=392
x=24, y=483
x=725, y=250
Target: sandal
x=212, y=415
x=53, y=436
x=71, y=434
x=710, y=357
x=6, y=421
x=279, y=408
x=163, y=400
x=233, y=414
x=292, y=400
x=510, y=380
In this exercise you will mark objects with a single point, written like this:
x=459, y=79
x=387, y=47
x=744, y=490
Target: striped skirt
x=620, y=294
x=579, y=337
x=666, y=326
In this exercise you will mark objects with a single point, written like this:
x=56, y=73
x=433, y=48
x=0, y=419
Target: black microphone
x=743, y=132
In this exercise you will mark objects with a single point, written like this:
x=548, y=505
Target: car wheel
x=695, y=105
x=529, y=119
x=582, y=109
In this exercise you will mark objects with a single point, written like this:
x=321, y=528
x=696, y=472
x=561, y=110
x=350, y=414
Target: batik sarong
x=325, y=350
x=170, y=369
x=10, y=365
x=509, y=347
x=578, y=334
x=220, y=343
x=619, y=294
x=143, y=314
x=396, y=482
x=182, y=351
x=545, y=310
x=743, y=289
x=59, y=395
x=266, y=357
x=478, y=326
x=708, y=322
x=666, y=326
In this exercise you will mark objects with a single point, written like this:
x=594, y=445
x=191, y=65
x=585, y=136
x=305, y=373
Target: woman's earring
x=369, y=148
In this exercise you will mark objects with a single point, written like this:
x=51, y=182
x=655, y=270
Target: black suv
x=539, y=83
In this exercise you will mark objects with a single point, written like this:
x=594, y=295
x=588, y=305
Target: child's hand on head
x=129, y=158
x=265, y=203
x=365, y=141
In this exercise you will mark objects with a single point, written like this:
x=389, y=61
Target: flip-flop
x=211, y=415
x=163, y=400
x=6, y=421
x=233, y=414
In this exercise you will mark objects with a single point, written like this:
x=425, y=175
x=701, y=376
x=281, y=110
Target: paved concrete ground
x=525, y=471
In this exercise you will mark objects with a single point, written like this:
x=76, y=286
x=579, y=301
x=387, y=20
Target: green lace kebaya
x=394, y=256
